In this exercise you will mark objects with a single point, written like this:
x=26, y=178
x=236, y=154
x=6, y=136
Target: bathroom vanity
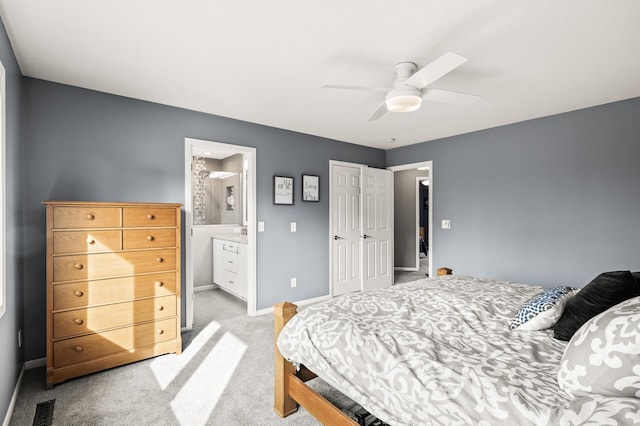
x=230, y=264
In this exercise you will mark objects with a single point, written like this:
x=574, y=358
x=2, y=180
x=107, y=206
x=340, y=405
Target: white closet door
x=345, y=232
x=377, y=228
x=361, y=228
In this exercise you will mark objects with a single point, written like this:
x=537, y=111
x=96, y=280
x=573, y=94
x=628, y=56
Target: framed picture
x=310, y=188
x=282, y=190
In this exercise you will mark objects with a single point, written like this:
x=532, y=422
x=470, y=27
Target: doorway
x=240, y=209
x=411, y=247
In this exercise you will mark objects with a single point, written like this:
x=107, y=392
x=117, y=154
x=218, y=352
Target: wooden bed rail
x=289, y=387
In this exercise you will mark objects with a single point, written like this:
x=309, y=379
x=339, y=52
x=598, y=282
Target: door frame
x=411, y=166
x=250, y=154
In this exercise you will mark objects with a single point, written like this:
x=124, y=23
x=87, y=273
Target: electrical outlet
x=294, y=282
x=446, y=224
x=293, y=227
x=20, y=338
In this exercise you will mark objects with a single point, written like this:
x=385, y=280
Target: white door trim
x=430, y=220
x=249, y=153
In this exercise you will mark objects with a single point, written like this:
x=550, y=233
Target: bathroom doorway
x=220, y=202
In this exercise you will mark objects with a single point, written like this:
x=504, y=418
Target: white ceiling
x=264, y=61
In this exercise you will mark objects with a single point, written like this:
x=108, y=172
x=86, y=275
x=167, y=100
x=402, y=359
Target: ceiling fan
x=410, y=86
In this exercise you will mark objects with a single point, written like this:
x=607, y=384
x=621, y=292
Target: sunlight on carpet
x=195, y=402
x=166, y=368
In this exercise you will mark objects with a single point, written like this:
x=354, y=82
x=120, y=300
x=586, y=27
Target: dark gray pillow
x=604, y=291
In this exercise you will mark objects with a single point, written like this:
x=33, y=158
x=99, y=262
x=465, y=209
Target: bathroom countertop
x=241, y=239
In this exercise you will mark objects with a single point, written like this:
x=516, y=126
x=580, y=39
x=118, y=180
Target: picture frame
x=311, y=188
x=283, y=190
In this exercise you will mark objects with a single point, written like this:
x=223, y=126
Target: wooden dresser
x=113, y=285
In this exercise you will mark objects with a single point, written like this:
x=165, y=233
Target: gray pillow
x=603, y=356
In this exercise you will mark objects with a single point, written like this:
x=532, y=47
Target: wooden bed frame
x=290, y=389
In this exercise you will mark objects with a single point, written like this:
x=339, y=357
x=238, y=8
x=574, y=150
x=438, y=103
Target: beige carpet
x=223, y=377
x=408, y=276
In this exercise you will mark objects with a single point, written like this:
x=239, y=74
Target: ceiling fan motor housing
x=403, y=98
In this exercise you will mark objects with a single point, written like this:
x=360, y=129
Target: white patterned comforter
x=440, y=351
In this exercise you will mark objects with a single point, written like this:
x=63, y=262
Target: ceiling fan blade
x=435, y=70
x=449, y=97
x=345, y=87
x=382, y=109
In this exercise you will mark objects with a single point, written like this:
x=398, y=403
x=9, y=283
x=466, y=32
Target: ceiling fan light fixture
x=403, y=101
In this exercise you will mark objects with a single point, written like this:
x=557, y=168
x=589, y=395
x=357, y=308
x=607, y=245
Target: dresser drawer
x=92, y=320
x=230, y=261
x=106, y=265
x=86, y=241
x=86, y=217
x=232, y=281
x=148, y=238
x=95, y=346
x=88, y=293
x=148, y=216
x=231, y=246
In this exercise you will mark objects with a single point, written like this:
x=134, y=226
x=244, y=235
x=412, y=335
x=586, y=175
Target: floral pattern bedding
x=440, y=351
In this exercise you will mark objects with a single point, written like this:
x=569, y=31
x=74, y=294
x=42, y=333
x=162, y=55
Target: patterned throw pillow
x=543, y=310
x=603, y=356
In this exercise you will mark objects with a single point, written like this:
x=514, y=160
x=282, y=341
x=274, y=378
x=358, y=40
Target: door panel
x=345, y=235
x=377, y=230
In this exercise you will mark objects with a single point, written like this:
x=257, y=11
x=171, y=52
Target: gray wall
x=405, y=224
x=86, y=145
x=11, y=357
x=549, y=201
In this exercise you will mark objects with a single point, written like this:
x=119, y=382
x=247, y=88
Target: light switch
x=260, y=226
x=446, y=224
x=293, y=227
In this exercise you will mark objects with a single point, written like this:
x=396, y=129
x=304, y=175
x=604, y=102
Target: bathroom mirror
x=217, y=185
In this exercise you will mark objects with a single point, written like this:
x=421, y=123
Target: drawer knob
x=161, y=308
x=159, y=283
x=91, y=241
x=78, y=348
x=78, y=266
x=150, y=238
x=160, y=331
x=230, y=261
x=78, y=293
x=230, y=282
x=90, y=216
x=159, y=259
x=150, y=217
x=78, y=321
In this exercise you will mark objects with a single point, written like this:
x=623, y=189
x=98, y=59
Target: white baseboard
x=205, y=287
x=14, y=398
x=35, y=363
x=299, y=303
x=405, y=268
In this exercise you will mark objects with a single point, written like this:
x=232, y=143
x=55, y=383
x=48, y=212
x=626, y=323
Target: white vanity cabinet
x=230, y=266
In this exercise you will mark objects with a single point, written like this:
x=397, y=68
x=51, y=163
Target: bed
x=434, y=351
